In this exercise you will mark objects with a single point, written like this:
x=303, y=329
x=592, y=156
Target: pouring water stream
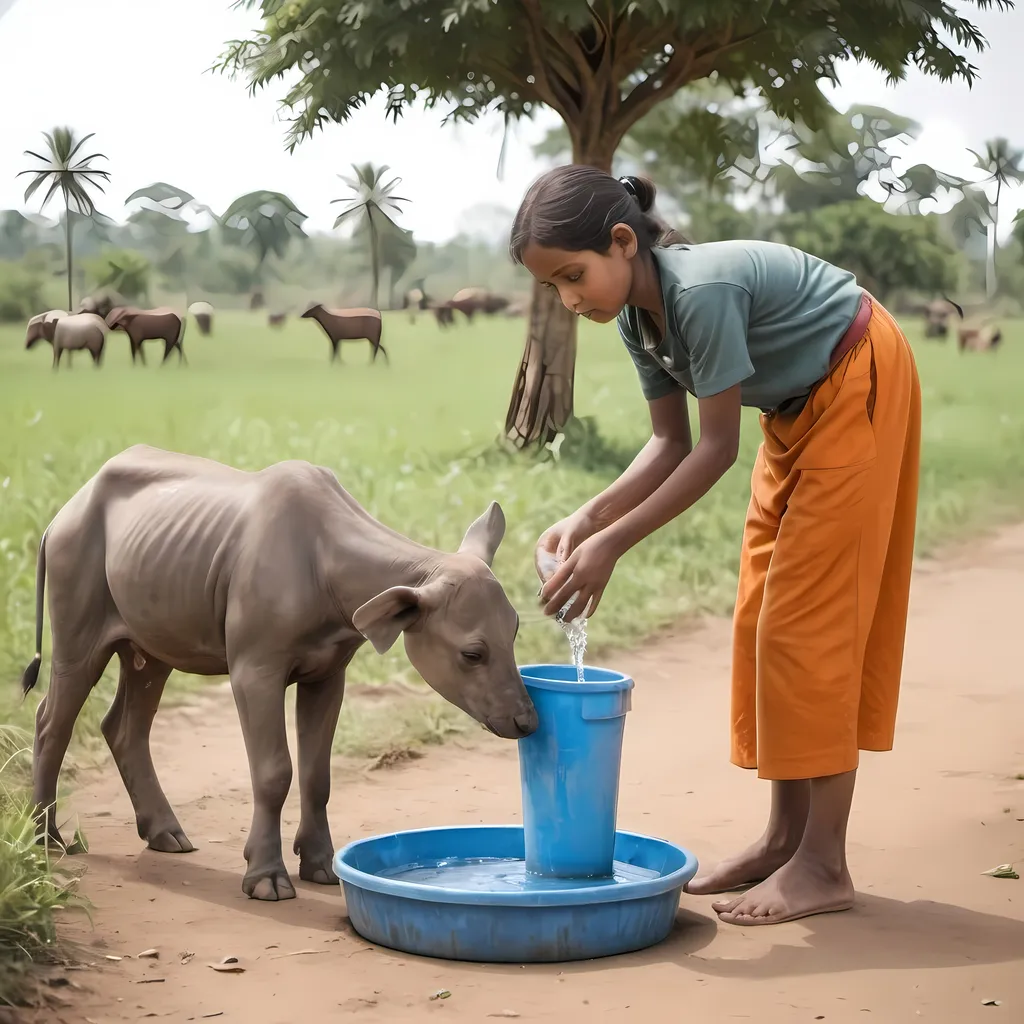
x=576, y=629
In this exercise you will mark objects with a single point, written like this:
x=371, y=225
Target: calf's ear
x=385, y=617
x=485, y=534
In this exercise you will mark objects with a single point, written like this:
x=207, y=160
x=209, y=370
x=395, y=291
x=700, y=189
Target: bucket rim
x=617, y=682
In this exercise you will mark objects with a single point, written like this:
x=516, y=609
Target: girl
x=825, y=562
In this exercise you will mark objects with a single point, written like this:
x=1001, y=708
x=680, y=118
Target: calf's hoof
x=316, y=860
x=317, y=871
x=271, y=886
x=170, y=841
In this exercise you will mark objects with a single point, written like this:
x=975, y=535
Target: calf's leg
x=258, y=689
x=126, y=727
x=316, y=717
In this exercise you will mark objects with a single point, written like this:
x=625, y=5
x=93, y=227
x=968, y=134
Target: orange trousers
x=824, y=583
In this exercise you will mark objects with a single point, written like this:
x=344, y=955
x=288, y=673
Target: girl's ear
x=624, y=240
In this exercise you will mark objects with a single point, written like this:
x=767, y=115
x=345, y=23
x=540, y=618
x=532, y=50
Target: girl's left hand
x=590, y=565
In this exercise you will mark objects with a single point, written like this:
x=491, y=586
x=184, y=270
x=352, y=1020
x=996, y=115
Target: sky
x=135, y=72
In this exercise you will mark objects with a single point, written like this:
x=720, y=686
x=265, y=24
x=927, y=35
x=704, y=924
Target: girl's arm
x=711, y=457
x=670, y=443
x=587, y=569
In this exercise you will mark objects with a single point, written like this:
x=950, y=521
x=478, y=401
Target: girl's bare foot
x=753, y=865
x=799, y=888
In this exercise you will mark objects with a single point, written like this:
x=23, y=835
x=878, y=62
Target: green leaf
x=1002, y=871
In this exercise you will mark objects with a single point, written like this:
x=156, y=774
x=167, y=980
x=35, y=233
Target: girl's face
x=591, y=284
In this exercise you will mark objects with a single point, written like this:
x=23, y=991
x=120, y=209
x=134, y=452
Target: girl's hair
x=575, y=207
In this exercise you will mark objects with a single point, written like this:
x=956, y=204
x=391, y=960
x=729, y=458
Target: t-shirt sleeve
x=655, y=380
x=713, y=320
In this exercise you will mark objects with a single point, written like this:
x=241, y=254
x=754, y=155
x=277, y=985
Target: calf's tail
x=31, y=674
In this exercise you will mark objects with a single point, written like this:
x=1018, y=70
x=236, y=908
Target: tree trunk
x=542, y=397
x=67, y=250
x=374, y=259
x=990, y=248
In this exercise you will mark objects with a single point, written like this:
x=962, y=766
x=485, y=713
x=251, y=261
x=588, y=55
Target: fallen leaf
x=110, y=956
x=186, y=956
x=298, y=952
x=229, y=965
x=216, y=1013
x=991, y=1002
x=149, y=981
x=504, y=1013
x=1002, y=871
x=441, y=993
x=148, y=954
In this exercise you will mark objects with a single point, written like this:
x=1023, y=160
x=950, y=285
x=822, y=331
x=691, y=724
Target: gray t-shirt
x=759, y=314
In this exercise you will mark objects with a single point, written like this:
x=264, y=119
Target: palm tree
x=373, y=199
x=64, y=171
x=1003, y=166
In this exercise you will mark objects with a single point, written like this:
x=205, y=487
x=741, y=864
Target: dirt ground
x=930, y=937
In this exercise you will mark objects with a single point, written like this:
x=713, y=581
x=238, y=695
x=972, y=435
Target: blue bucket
x=569, y=769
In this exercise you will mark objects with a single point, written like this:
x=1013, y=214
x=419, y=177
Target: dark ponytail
x=575, y=207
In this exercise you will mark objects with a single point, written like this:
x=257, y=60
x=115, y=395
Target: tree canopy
x=600, y=64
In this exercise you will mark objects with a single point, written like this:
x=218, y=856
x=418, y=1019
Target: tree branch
x=657, y=86
x=556, y=95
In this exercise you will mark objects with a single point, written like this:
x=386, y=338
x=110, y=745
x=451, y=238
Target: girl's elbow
x=725, y=453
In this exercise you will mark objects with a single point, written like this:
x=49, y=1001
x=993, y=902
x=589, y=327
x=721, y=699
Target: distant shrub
x=21, y=292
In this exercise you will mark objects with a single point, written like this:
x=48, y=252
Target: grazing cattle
x=340, y=325
x=936, y=317
x=202, y=313
x=444, y=315
x=149, y=325
x=79, y=332
x=415, y=299
x=983, y=337
x=41, y=327
x=273, y=577
x=470, y=301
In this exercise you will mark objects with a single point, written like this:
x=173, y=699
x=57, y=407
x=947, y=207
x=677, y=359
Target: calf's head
x=460, y=631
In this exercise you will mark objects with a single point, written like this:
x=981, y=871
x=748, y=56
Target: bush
x=21, y=293
x=887, y=252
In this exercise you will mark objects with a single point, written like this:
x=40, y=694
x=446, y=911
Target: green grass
x=414, y=444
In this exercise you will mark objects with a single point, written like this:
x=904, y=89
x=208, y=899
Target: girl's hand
x=587, y=570
x=559, y=541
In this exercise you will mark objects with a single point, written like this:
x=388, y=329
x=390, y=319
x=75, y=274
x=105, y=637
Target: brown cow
x=141, y=325
x=363, y=324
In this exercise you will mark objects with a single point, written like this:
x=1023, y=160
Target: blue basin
x=465, y=894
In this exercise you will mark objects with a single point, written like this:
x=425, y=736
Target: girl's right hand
x=557, y=542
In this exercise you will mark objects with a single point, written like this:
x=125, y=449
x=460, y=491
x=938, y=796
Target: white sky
x=134, y=72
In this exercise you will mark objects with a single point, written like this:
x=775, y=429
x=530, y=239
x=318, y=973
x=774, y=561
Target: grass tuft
x=34, y=886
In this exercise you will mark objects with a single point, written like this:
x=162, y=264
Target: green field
x=413, y=442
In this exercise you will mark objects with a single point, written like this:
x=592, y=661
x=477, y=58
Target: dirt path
x=930, y=937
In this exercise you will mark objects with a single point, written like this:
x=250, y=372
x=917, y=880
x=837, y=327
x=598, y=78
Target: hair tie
x=626, y=182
